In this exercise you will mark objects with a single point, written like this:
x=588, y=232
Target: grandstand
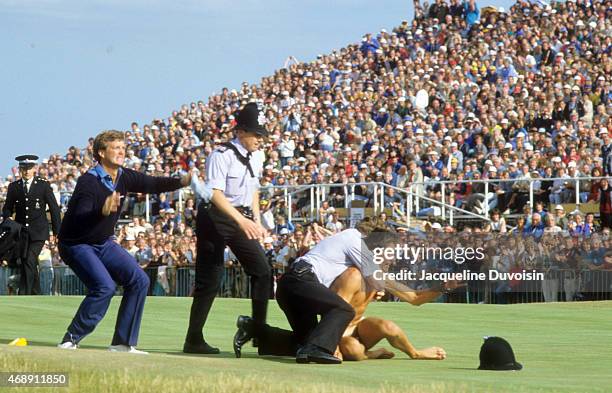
x=516, y=122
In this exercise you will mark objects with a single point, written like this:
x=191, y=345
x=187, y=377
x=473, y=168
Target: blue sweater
x=84, y=222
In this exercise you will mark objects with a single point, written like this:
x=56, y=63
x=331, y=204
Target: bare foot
x=380, y=353
x=433, y=353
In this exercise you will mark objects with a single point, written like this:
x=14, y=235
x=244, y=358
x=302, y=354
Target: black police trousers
x=29, y=282
x=302, y=298
x=214, y=231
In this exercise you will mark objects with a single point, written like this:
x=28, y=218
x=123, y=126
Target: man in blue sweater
x=87, y=244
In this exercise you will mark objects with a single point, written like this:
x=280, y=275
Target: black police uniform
x=233, y=170
x=30, y=208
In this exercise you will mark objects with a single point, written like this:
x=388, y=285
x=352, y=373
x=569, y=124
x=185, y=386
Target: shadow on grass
x=222, y=355
x=464, y=368
x=225, y=355
x=276, y=359
x=53, y=344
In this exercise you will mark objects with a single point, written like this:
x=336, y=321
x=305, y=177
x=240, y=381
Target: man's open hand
x=111, y=204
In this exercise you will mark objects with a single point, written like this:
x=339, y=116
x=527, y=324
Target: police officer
x=231, y=218
x=29, y=198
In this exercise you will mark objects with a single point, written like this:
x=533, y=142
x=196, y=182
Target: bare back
x=351, y=286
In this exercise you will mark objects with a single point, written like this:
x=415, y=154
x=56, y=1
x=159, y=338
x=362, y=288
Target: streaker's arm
x=346, y=286
x=409, y=295
x=418, y=297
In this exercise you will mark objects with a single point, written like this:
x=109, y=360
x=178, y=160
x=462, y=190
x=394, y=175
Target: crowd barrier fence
x=562, y=285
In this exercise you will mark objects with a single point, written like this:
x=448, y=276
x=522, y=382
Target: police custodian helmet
x=496, y=354
x=250, y=119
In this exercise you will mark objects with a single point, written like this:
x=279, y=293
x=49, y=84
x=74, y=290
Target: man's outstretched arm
x=417, y=297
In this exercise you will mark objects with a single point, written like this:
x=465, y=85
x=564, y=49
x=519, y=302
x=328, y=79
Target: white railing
x=413, y=199
x=317, y=193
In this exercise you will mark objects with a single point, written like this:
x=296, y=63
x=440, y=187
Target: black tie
x=25, y=187
x=248, y=164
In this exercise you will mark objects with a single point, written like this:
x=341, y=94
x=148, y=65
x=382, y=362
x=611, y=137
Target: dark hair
x=369, y=225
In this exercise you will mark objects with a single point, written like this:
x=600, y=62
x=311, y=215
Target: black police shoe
x=201, y=348
x=310, y=353
x=243, y=334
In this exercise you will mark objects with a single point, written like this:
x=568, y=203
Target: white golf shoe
x=68, y=345
x=126, y=349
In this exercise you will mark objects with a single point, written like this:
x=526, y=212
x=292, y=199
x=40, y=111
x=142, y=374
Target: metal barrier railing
x=561, y=285
x=413, y=194
x=413, y=200
x=164, y=281
x=558, y=286
x=414, y=197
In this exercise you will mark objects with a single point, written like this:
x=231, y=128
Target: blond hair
x=102, y=140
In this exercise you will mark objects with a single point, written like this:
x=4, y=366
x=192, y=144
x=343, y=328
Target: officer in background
x=231, y=217
x=28, y=198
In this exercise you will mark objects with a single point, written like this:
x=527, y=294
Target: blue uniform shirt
x=226, y=173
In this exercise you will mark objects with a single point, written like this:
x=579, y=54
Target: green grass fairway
x=564, y=347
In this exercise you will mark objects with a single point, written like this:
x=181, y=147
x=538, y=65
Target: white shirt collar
x=241, y=148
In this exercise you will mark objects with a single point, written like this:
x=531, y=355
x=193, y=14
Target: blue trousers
x=99, y=267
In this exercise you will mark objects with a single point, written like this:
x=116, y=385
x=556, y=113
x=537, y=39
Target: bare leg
x=352, y=349
x=380, y=353
x=372, y=330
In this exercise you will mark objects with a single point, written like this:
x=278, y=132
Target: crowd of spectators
x=516, y=95
x=574, y=255
x=571, y=267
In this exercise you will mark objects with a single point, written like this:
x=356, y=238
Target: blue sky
x=71, y=68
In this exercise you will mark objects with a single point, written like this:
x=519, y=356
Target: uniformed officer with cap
x=231, y=218
x=28, y=198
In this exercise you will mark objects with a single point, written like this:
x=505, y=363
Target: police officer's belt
x=299, y=267
x=245, y=211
